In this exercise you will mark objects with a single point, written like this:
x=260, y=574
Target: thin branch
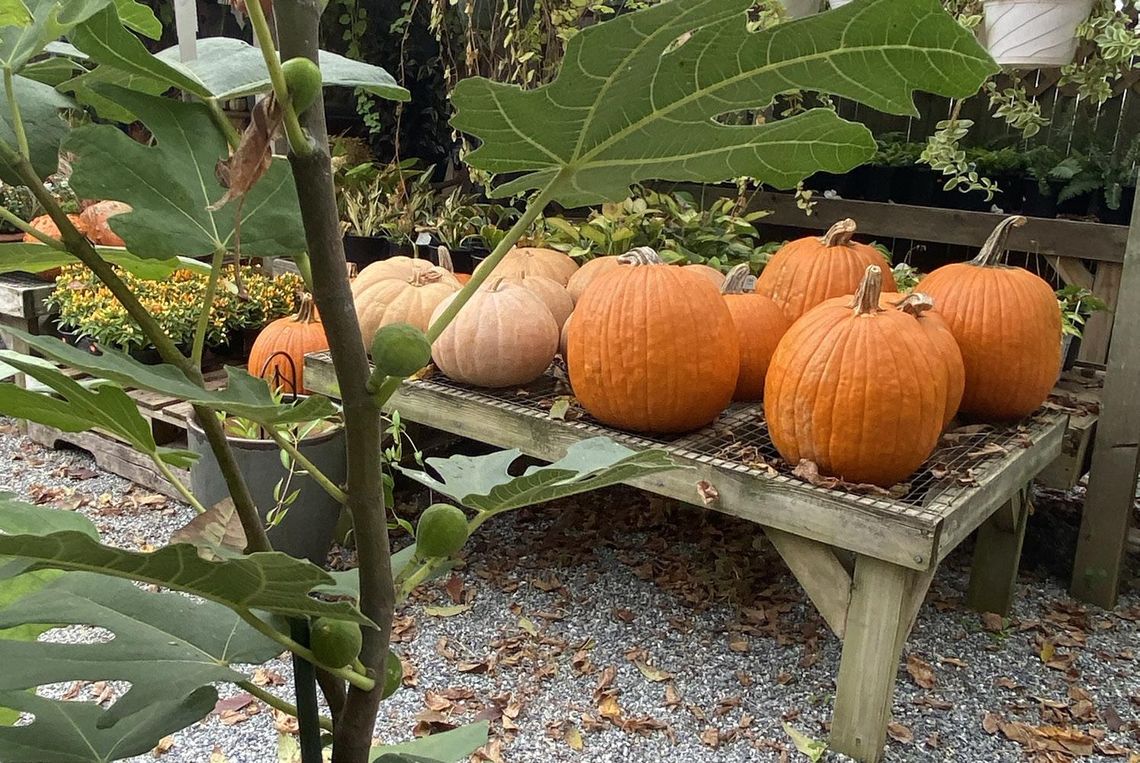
x=203, y=326
x=277, y=703
x=178, y=484
x=14, y=112
x=298, y=141
x=310, y=468
x=233, y=137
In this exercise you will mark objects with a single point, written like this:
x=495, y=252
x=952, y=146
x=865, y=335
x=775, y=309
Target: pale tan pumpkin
x=553, y=294
x=503, y=337
x=716, y=278
x=534, y=261
x=564, y=336
x=403, y=268
x=585, y=275
x=395, y=300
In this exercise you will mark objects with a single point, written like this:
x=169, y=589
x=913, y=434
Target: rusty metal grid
x=738, y=440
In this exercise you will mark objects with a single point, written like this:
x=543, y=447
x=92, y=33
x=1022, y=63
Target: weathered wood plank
x=915, y=595
x=1116, y=451
x=996, y=486
x=820, y=573
x=1097, y=332
x=997, y=555
x=1047, y=237
x=1065, y=471
x=870, y=660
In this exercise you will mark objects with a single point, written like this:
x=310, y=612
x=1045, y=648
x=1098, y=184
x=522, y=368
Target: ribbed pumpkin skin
x=586, y=274
x=553, y=294
x=534, y=261
x=805, y=272
x=715, y=277
x=652, y=348
x=394, y=300
x=503, y=337
x=44, y=224
x=760, y=324
x=278, y=353
x=862, y=396
x=564, y=336
x=95, y=219
x=1008, y=327
x=403, y=268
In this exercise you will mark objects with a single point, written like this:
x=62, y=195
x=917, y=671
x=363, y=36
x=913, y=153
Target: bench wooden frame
x=865, y=562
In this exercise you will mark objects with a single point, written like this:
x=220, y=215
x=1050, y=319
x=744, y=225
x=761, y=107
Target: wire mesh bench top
x=974, y=469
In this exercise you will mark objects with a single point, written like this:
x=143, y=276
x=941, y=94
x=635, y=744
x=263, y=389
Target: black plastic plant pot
x=1070, y=350
x=466, y=260
x=820, y=182
x=1122, y=214
x=307, y=530
x=1080, y=205
x=1035, y=202
x=913, y=185
x=362, y=251
x=1012, y=196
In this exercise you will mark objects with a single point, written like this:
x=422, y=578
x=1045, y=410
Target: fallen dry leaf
x=707, y=492
x=900, y=733
x=651, y=673
x=992, y=622
x=573, y=738
x=163, y=746
x=451, y=611
x=920, y=671
x=710, y=737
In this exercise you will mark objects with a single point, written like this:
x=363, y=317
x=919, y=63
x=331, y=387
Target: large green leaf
x=171, y=185
x=232, y=68
x=76, y=732
x=447, y=747
x=483, y=482
x=14, y=13
x=34, y=258
x=139, y=17
x=80, y=408
x=244, y=395
x=104, y=38
x=12, y=589
x=51, y=19
x=268, y=581
x=190, y=643
x=638, y=96
x=40, y=107
x=53, y=71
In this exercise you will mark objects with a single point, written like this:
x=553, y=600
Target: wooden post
x=997, y=554
x=870, y=661
x=186, y=25
x=1116, y=452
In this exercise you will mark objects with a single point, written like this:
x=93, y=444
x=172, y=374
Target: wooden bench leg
x=997, y=553
x=882, y=600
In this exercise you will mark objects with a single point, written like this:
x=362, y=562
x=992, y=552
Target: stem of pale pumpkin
x=735, y=280
x=839, y=234
x=867, y=296
x=993, y=251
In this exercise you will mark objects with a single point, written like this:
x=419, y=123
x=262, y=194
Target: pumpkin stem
x=839, y=234
x=993, y=251
x=494, y=285
x=915, y=304
x=867, y=296
x=306, y=311
x=444, y=257
x=736, y=279
x=642, y=255
x=425, y=276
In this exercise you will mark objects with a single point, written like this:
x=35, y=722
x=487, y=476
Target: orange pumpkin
x=278, y=353
x=857, y=389
x=534, y=261
x=44, y=224
x=95, y=219
x=716, y=278
x=553, y=294
x=400, y=300
x=807, y=271
x=760, y=323
x=503, y=337
x=1007, y=325
x=586, y=274
x=652, y=347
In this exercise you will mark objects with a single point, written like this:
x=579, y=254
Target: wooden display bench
x=865, y=560
x=22, y=306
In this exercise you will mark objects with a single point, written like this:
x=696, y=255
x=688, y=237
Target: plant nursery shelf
x=864, y=559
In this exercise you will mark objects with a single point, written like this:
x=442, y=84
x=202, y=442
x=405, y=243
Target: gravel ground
x=621, y=627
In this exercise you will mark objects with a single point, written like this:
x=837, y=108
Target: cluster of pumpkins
x=853, y=376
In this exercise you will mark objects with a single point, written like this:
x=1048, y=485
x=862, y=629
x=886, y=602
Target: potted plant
x=1033, y=33
x=281, y=465
x=1077, y=304
x=461, y=223
x=381, y=208
x=19, y=200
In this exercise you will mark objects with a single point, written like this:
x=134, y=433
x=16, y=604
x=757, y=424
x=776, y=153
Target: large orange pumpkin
x=586, y=274
x=95, y=219
x=503, y=337
x=44, y=224
x=807, y=271
x=400, y=300
x=760, y=323
x=534, y=261
x=652, y=347
x=716, y=278
x=1007, y=325
x=857, y=389
x=278, y=353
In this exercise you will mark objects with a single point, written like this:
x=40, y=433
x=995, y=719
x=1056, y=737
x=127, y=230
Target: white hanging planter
x=837, y=3
x=799, y=8
x=1033, y=33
